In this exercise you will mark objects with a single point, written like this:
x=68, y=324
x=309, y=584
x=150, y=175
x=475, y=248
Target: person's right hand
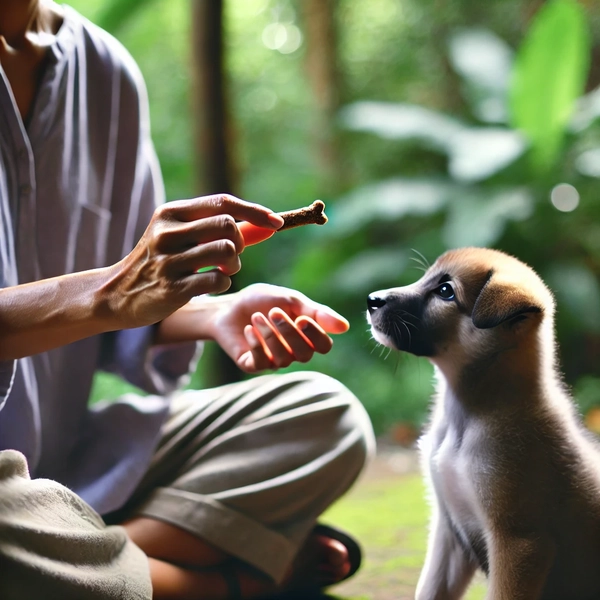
x=161, y=273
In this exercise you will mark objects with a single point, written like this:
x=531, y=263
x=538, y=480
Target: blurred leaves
x=478, y=219
x=484, y=61
x=578, y=291
x=460, y=118
x=479, y=153
x=401, y=121
x=474, y=153
x=388, y=200
x=550, y=73
x=114, y=14
x=366, y=271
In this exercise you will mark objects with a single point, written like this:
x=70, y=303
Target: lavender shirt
x=78, y=184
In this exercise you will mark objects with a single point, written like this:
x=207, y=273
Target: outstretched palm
x=269, y=327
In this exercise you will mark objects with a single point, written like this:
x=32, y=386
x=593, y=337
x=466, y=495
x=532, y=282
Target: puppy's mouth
x=380, y=336
x=396, y=323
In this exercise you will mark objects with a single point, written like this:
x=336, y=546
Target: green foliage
x=550, y=74
x=461, y=118
x=115, y=14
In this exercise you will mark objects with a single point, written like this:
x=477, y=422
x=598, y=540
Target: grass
x=389, y=516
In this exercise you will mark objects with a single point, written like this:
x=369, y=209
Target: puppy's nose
x=374, y=302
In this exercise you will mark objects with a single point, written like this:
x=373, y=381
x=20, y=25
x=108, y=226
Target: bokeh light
x=564, y=197
x=285, y=38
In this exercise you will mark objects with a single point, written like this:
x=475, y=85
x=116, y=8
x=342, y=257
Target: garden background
x=422, y=124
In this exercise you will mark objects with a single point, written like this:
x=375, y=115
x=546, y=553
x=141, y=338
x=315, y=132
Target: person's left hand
x=269, y=327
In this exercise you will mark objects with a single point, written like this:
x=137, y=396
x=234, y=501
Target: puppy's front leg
x=519, y=566
x=447, y=570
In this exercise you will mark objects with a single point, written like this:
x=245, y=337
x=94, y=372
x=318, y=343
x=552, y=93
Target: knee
x=342, y=416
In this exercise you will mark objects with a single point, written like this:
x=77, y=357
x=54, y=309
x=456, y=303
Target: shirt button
x=25, y=189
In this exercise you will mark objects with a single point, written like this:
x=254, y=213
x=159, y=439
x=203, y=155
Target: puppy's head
x=471, y=298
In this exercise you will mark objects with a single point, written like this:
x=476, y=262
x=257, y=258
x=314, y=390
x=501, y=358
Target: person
x=201, y=494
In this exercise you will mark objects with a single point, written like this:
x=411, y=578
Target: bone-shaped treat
x=309, y=215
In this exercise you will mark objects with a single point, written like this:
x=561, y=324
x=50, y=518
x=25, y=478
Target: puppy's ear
x=502, y=299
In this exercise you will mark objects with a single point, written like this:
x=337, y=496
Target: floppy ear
x=500, y=300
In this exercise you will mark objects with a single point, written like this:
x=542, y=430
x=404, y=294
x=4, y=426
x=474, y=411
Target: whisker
x=420, y=266
x=423, y=259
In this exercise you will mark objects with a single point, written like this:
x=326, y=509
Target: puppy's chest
x=458, y=479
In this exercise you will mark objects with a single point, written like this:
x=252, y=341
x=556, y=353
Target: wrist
x=195, y=321
x=106, y=301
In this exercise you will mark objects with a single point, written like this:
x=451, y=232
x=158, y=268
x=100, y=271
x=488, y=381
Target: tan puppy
x=514, y=475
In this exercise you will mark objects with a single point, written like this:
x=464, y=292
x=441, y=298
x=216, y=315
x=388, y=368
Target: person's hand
x=269, y=327
x=161, y=273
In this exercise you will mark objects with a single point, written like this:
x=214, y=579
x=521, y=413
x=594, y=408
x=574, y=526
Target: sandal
x=310, y=591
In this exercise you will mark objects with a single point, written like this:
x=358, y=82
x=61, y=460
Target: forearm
x=45, y=314
x=192, y=322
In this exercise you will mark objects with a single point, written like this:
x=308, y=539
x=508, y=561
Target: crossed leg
x=240, y=478
x=183, y=567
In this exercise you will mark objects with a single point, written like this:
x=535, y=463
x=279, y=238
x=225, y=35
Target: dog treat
x=309, y=215
x=313, y=214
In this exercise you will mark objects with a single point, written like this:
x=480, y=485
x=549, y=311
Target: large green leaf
x=550, y=73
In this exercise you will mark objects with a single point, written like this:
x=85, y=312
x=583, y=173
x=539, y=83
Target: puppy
x=515, y=477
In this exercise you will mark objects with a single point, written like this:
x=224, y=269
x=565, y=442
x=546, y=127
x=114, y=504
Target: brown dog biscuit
x=309, y=215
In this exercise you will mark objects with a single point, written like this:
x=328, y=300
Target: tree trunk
x=325, y=80
x=214, y=159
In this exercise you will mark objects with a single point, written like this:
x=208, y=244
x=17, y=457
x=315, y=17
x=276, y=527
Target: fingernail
x=275, y=219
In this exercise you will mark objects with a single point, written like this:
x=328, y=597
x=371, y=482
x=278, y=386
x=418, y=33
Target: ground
x=387, y=511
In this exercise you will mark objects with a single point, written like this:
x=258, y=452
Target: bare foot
x=322, y=561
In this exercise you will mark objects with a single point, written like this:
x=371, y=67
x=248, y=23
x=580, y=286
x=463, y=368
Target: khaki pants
x=248, y=467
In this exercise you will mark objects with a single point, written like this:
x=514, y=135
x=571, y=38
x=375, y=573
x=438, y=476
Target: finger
x=282, y=355
x=258, y=358
x=208, y=282
x=219, y=204
x=186, y=235
x=317, y=336
x=301, y=347
x=222, y=254
x=330, y=320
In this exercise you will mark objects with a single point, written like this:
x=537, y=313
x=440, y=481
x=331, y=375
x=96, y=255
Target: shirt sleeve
x=8, y=276
x=155, y=369
x=137, y=190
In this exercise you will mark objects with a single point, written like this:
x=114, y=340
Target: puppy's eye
x=445, y=291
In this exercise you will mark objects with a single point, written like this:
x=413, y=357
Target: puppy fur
x=514, y=476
